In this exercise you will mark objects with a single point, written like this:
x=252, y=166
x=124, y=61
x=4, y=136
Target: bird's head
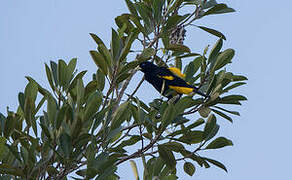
x=147, y=67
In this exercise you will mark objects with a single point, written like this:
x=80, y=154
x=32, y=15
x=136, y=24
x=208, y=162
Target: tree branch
x=140, y=151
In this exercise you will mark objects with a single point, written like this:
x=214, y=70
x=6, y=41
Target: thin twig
x=130, y=127
x=140, y=151
x=195, y=151
x=141, y=136
x=125, y=135
x=134, y=92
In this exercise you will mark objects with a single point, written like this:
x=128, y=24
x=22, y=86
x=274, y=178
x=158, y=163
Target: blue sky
x=34, y=32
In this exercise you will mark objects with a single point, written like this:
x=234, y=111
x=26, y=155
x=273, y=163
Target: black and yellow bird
x=164, y=79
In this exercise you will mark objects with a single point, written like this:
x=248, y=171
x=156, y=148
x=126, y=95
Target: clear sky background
x=33, y=32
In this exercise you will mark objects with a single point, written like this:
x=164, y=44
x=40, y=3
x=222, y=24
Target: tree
x=87, y=130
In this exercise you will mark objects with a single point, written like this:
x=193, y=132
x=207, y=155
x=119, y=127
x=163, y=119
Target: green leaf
x=157, y=10
x=49, y=77
x=54, y=68
x=24, y=155
x=224, y=58
x=71, y=68
x=235, y=85
x=21, y=100
x=131, y=8
x=60, y=116
x=203, y=69
x=146, y=54
x=66, y=144
x=40, y=104
x=232, y=99
x=219, y=9
x=2, y=147
x=30, y=94
x=14, y=152
x=129, y=66
x=148, y=136
x=167, y=156
x=124, y=24
x=120, y=115
x=106, y=55
x=100, y=78
x=74, y=81
x=31, y=91
x=204, y=111
x=90, y=88
x=189, y=168
x=115, y=45
x=192, y=68
x=209, y=127
x=213, y=31
x=122, y=77
x=2, y=123
x=107, y=173
x=222, y=115
x=52, y=171
x=215, y=52
x=11, y=170
x=238, y=78
x=46, y=130
x=189, y=71
x=154, y=166
x=114, y=134
x=168, y=116
x=133, y=140
x=197, y=63
x=80, y=92
x=99, y=61
x=81, y=173
x=209, y=4
x=170, y=177
x=231, y=112
x=96, y=38
x=175, y=5
x=136, y=21
x=92, y=105
x=98, y=119
x=129, y=41
x=219, y=142
x=192, y=137
x=146, y=15
x=51, y=109
x=62, y=71
x=216, y=163
x=196, y=123
x=178, y=47
x=173, y=21
x=173, y=146
x=184, y=103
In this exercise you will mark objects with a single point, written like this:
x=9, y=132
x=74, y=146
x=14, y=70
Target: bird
x=164, y=79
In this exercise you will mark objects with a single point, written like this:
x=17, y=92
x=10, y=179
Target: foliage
x=91, y=128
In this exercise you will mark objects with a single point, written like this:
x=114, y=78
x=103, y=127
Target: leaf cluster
x=85, y=130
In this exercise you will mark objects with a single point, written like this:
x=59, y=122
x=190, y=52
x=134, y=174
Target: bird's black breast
x=154, y=81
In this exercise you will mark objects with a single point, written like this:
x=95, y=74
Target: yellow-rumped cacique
x=163, y=79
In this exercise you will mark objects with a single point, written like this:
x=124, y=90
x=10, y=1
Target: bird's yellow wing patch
x=167, y=77
x=182, y=90
x=177, y=72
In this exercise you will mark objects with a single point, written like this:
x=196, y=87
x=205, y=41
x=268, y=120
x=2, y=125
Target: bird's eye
x=142, y=65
